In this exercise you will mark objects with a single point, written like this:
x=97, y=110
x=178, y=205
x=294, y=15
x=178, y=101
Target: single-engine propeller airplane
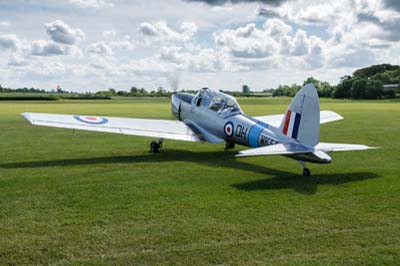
x=214, y=117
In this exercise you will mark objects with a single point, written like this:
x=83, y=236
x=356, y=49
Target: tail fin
x=301, y=121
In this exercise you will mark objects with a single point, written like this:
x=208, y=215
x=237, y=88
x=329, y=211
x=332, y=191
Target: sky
x=91, y=45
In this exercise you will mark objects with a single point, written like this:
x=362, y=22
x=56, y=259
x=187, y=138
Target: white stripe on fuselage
x=291, y=124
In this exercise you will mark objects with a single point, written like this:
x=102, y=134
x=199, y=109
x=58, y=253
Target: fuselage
x=227, y=125
x=217, y=122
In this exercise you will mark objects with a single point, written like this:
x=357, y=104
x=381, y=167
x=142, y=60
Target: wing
x=167, y=129
x=275, y=120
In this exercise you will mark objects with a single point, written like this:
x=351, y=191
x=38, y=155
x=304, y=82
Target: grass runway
x=99, y=199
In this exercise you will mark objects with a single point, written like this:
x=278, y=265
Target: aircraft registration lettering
x=241, y=132
x=267, y=141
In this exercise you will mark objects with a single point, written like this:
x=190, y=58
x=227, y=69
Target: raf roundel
x=228, y=129
x=92, y=120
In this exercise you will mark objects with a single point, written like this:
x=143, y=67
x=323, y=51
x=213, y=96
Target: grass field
x=93, y=198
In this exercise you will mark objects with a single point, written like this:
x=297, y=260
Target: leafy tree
x=112, y=92
x=358, y=89
x=389, y=94
x=325, y=90
x=343, y=89
x=374, y=89
x=245, y=89
x=383, y=77
x=134, y=90
x=368, y=72
x=314, y=81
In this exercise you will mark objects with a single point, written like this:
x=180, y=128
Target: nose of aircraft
x=175, y=105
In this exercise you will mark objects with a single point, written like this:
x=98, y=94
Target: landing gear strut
x=155, y=146
x=306, y=171
x=229, y=145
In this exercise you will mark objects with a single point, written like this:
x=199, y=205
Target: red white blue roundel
x=228, y=129
x=92, y=120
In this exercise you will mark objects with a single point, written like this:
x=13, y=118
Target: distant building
x=391, y=86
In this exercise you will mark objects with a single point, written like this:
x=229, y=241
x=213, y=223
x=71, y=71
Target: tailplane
x=302, y=118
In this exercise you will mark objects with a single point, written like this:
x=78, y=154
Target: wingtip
x=27, y=116
x=373, y=148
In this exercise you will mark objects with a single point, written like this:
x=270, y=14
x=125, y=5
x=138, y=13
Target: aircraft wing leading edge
x=167, y=129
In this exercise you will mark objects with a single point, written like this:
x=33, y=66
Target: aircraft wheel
x=230, y=145
x=154, y=147
x=306, y=172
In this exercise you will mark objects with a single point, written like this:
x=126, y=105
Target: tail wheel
x=154, y=147
x=306, y=172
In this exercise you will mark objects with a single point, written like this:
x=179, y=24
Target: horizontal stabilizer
x=275, y=120
x=319, y=150
x=330, y=147
x=277, y=149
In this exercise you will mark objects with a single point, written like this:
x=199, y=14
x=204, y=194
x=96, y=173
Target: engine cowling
x=176, y=103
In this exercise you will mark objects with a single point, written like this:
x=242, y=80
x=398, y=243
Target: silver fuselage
x=236, y=127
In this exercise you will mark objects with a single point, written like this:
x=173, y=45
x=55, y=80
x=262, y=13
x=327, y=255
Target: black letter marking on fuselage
x=267, y=141
x=241, y=132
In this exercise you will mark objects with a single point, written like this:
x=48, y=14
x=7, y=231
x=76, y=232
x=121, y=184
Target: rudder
x=302, y=118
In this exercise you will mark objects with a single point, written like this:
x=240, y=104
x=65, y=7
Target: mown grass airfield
x=95, y=198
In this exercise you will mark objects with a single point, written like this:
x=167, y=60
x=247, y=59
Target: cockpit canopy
x=216, y=101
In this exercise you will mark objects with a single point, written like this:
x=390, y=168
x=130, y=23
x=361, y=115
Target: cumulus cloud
x=268, y=13
x=100, y=48
x=161, y=32
x=277, y=28
x=92, y=3
x=223, y=2
x=17, y=59
x=395, y=4
x=316, y=15
x=178, y=58
x=47, y=48
x=5, y=24
x=354, y=58
x=62, y=33
x=246, y=42
x=388, y=28
x=300, y=44
x=115, y=40
x=9, y=41
x=50, y=48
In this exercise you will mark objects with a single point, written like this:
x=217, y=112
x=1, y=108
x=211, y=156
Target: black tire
x=154, y=147
x=306, y=172
x=230, y=145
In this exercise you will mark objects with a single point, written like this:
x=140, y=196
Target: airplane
x=215, y=117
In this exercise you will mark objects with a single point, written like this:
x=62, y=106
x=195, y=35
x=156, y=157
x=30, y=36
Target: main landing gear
x=155, y=146
x=229, y=145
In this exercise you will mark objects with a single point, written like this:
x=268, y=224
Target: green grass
x=92, y=198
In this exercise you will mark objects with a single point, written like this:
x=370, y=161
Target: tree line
x=365, y=83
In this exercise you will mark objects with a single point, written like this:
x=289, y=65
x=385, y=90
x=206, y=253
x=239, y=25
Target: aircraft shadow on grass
x=280, y=180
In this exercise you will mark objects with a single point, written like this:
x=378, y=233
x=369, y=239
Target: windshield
x=217, y=101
